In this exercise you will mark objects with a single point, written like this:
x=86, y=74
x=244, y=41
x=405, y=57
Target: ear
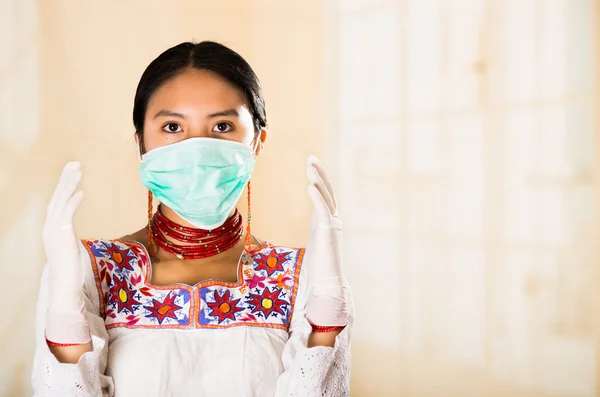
x=262, y=137
x=136, y=135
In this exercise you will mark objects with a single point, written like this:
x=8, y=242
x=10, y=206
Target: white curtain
x=465, y=137
x=20, y=201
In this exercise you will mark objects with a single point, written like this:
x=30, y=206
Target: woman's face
x=197, y=103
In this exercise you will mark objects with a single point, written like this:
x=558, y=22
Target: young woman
x=193, y=303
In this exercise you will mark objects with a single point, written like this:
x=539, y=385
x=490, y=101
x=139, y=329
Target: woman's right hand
x=65, y=321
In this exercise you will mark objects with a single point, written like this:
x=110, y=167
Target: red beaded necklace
x=198, y=243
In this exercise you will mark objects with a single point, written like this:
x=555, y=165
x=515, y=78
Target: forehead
x=201, y=90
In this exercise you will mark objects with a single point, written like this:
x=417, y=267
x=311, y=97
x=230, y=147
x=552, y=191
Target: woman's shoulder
x=115, y=250
x=257, y=245
x=140, y=237
x=273, y=257
x=261, y=247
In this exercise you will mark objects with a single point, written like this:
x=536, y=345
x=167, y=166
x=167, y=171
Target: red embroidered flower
x=248, y=317
x=281, y=281
x=135, y=279
x=131, y=319
x=256, y=281
x=267, y=303
x=140, y=252
x=122, y=257
x=122, y=295
x=273, y=262
x=224, y=307
x=164, y=309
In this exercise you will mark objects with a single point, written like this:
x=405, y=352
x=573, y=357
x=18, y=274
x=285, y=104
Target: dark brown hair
x=206, y=55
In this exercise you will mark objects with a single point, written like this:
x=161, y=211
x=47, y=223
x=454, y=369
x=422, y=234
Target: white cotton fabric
x=237, y=361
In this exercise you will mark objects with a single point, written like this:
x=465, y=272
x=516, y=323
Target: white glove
x=65, y=320
x=327, y=303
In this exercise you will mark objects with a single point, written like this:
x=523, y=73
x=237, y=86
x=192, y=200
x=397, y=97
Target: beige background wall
x=68, y=78
x=91, y=58
x=433, y=318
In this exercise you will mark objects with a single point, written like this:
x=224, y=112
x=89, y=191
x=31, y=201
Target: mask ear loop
x=248, y=239
x=152, y=248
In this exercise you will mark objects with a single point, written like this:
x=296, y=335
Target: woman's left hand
x=327, y=303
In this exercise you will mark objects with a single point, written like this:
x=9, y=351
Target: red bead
x=204, y=243
x=54, y=344
x=320, y=328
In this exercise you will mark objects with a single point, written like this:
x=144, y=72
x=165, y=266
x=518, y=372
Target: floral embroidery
x=267, y=303
x=264, y=296
x=256, y=281
x=165, y=309
x=121, y=297
x=281, y=281
x=271, y=262
x=224, y=307
x=248, y=317
x=122, y=258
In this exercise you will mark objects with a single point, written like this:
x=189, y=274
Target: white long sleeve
x=319, y=370
x=173, y=343
x=86, y=378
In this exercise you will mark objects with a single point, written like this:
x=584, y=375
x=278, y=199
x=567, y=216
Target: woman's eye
x=222, y=127
x=172, y=128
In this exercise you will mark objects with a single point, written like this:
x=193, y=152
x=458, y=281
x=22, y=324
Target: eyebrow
x=168, y=113
x=228, y=112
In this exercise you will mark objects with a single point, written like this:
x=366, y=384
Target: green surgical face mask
x=201, y=179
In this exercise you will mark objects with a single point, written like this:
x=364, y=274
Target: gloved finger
x=64, y=176
x=315, y=180
x=72, y=205
x=70, y=185
x=319, y=203
x=314, y=160
x=60, y=186
x=314, y=221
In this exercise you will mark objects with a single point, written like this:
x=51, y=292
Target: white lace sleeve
x=86, y=378
x=316, y=371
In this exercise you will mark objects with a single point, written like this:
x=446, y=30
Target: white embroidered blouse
x=212, y=339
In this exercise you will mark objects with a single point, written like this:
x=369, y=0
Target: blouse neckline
x=199, y=284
